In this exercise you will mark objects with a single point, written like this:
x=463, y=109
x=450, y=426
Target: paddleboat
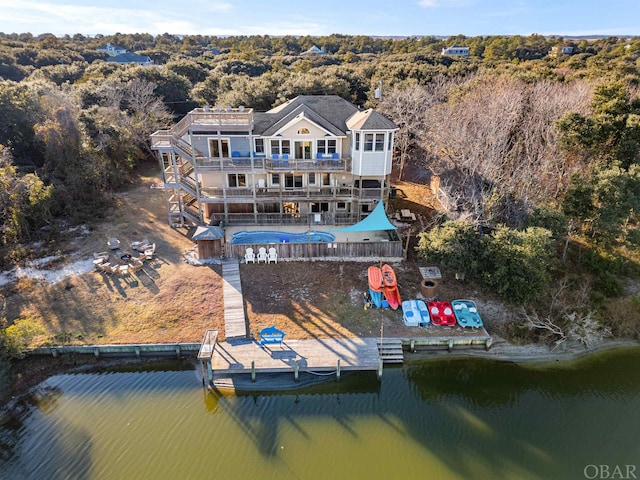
x=466, y=313
x=441, y=313
x=424, y=312
x=410, y=313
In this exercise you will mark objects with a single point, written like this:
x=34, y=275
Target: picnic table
x=407, y=214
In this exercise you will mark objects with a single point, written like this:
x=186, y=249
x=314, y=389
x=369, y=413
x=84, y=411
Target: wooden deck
x=235, y=325
x=314, y=355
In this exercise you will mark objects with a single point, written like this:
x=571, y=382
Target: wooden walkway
x=235, y=325
x=314, y=355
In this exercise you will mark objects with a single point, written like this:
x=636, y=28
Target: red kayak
x=391, y=292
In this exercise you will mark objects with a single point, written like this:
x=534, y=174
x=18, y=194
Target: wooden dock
x=235, y=325
x=314, y=355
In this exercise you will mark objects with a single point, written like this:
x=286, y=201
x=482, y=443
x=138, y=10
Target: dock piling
x=380, y=364
x=338, y=371
x=296, y=369
x=253, y=370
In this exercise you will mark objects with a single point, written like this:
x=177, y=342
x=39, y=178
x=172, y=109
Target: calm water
x=273, y=236
x=441, y=419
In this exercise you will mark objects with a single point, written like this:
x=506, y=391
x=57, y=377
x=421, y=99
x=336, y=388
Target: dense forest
x=539, y=151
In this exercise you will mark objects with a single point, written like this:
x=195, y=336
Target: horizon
x=373, y=18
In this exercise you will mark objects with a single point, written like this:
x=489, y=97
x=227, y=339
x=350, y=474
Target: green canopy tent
x=376, y=220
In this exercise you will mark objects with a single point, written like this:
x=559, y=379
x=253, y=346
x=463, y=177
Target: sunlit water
x=440, y=419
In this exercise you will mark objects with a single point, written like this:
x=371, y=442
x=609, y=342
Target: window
x=327, y=146
x=357, y=147
x=390, y=141
x=326, y=179
x=341, y=206
x=317, y=207
x=237, y=180
x=374, y=141
x=303, y=131
x=275, y=179
x=259, y=145
x=368, y=142
x=280, y=147
x=312, y=179
x=292, y=181
x=218, y=148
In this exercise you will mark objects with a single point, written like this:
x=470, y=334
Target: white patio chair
x=262, y=255
x=249, y=256
x=272, y=255
x=150, y=251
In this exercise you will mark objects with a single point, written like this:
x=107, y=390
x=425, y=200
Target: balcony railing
x=293, y=194
x=273, y=165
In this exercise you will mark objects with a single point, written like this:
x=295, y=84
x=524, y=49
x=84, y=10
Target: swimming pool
x=273, y=236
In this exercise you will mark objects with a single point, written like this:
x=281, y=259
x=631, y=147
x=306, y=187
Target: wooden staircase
x=390, y=350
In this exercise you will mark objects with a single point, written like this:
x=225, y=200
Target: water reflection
x=453, y=419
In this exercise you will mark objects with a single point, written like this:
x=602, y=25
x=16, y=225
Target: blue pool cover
x=273, y=236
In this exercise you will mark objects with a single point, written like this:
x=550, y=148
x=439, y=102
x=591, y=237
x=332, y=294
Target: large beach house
x=314, y=160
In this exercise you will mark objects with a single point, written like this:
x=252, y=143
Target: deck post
x=136, y=349
x=296, y=369
x=178, y=352
x=380, y=363
x=209, y=371
x=54, y=352
x=450, y=346
x=96, y=352
x=338, y=371
x=487, y=344
x=253, y=370
x=412, y=346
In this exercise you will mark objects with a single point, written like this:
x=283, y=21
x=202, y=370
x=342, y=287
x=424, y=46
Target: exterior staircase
x=390, y=350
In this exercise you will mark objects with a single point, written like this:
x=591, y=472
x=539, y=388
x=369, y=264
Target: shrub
x=18, y=337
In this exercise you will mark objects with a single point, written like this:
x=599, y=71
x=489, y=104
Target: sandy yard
x=173, y=301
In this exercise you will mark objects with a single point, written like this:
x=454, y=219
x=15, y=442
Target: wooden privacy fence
x=391, y=250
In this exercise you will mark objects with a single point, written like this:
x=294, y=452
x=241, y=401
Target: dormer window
x=303, y=131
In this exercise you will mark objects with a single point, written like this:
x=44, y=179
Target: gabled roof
x=370, y=120
x=329, y=111
x=303, y=111
x=129, y=57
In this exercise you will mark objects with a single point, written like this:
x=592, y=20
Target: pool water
x=274, y=236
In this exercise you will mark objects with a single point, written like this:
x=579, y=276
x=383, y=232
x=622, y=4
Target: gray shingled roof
x=377, y=121
x=129, y=57
x=330, y=111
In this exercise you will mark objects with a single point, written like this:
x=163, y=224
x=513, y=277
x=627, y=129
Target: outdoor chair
x=262, y=255
x=150, y=251
x=104, y=256
x=107, y=268
x=113, y=243
x=140, y=246
x=272, y=255
x=249, y=256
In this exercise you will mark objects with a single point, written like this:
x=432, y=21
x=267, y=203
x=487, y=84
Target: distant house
x=456, y=51
x=561, y=50
x=314, y=51
x=127, y=58
x=112, y=50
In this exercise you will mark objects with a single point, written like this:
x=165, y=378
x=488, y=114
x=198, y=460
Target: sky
x=322, y=17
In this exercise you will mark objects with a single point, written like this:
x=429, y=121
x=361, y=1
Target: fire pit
x=126, y=257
